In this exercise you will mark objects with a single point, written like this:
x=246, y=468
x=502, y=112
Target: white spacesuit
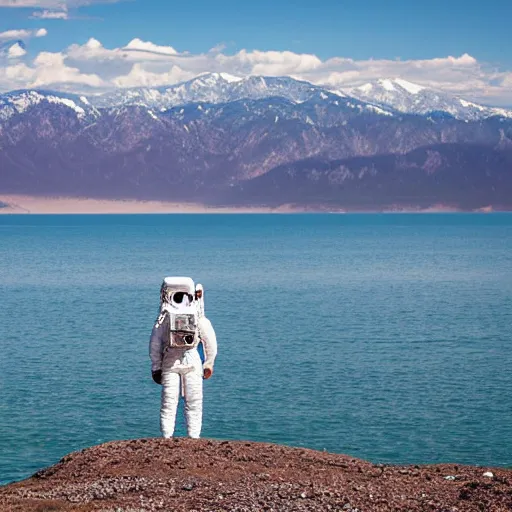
x=175, y=360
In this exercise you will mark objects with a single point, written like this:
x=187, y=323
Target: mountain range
x=226, y=140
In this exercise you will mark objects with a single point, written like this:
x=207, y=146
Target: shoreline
x=34, y=205
x=59, y=205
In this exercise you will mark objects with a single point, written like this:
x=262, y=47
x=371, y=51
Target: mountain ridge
x=204, y=151
x=407, y=97
x=402, y=96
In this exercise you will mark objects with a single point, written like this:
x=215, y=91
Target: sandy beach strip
x=20, y=204
x=25, y=204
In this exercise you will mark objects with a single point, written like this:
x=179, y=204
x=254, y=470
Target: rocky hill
x=204, y=475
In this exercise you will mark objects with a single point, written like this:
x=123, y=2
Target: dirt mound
x=184, y=474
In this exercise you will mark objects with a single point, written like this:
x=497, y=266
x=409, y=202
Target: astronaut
x=175, y=360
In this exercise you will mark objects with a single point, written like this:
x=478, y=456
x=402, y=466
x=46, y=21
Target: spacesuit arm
x=156, y=345
x=209, y=340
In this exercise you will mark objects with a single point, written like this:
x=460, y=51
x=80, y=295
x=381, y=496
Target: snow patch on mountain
x=468, y=104
x=409, y=86
x=18, y=102
x=410, y=98
x=152, y=114
x=387, y=84
x=378, y=110
x=68, y=103
x=230, y=78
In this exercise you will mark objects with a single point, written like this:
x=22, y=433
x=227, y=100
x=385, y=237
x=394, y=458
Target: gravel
x=179, y=474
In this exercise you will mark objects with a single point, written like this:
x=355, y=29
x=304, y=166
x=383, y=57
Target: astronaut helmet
x=177, y=291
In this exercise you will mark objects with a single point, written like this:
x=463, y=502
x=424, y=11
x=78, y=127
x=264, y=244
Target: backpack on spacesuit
x=178, y=305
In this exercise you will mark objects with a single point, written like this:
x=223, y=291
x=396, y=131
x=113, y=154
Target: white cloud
x=348, y=72
x=52, y=9
x=15, y=76
x=146, y=46
x=506, y=80
x=16, y=51
x=140, y=77
x=50, y=15
x=12, y=35
x=9, y=35
x=271, y=62
x=144, y=63
x=32, y=3
x=49, y=69
x=135, y=51
x=52, y=4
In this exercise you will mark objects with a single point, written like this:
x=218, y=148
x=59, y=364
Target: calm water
x=387, y=337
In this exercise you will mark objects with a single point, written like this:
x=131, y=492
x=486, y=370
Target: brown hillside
x=205, y=475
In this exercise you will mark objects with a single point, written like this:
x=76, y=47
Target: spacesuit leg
x=194, y=401
x=170, y=398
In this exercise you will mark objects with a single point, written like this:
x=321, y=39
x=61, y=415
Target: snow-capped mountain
x=316, y=147
x=411, y=98
x=210, y=88
x=198, y=94
x=18, y=102
x=389, y=95
x=384, y=96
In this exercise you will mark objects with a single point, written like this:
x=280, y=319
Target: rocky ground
x=204, y=475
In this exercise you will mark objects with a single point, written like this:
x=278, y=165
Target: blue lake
x=386, y=337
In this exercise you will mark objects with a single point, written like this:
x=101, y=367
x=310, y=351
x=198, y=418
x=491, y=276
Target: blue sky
x=359, y=30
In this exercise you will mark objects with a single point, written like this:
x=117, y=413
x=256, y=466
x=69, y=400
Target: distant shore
x=25, y=204
x=21, y=204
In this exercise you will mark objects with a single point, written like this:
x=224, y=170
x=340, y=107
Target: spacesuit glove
x=207, y=371
x=157, y=376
